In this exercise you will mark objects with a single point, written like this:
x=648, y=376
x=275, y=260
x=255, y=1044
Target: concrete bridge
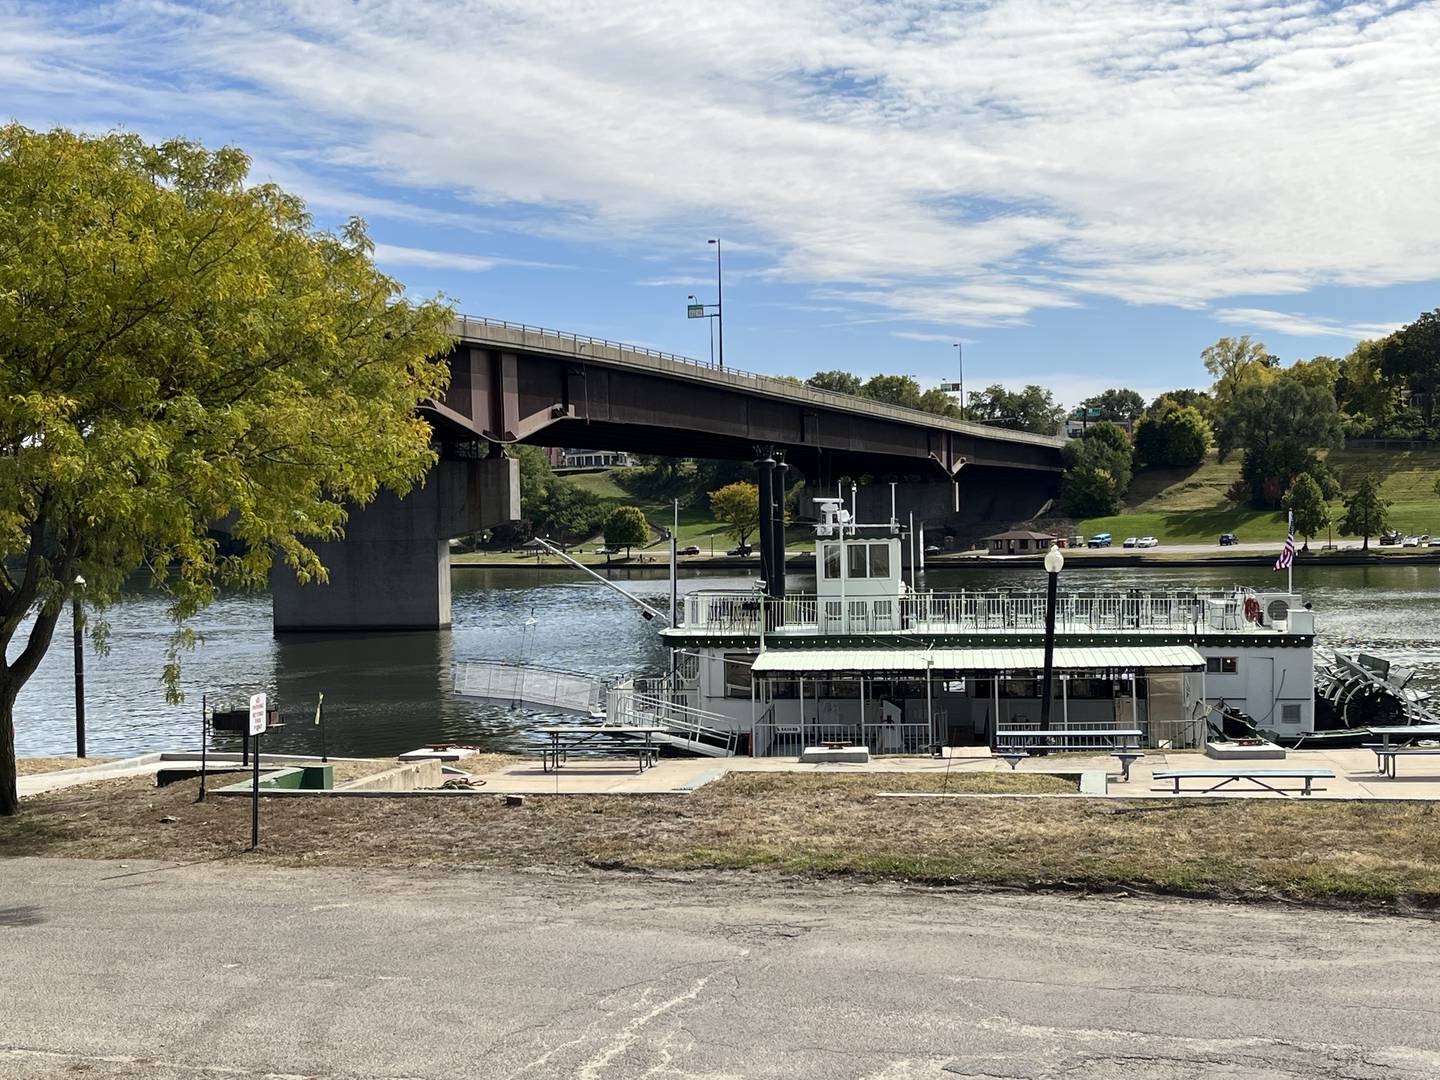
x=513, y=383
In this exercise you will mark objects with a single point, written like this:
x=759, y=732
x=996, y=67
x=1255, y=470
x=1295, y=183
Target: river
x=387, y=693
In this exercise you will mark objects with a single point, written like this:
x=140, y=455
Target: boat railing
x=736, y=612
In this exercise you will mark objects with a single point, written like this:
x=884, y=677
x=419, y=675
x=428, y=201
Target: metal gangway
x=631, y=703
x=517, y=685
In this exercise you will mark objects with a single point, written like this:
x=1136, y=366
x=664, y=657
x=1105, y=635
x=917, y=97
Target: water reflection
x=386, y=693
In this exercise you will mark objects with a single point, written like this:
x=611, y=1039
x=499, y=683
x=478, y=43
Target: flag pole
x=1290, y=566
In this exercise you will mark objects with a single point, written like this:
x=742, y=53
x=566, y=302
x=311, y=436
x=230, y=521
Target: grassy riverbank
x=1367, y=854
x=1188, y=506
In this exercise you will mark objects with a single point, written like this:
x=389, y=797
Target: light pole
x=1054, y=563
x=79, y=668
x=695, y=303
x=960, y=356
x=719, y=298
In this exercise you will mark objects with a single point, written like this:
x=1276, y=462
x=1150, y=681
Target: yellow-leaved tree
x=182, y=351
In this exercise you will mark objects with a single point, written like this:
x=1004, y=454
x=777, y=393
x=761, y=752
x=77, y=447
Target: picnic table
x=1259, y=777
x=1385, y=754
x=626, y=740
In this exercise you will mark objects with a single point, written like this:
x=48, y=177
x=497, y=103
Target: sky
x=1083, y=195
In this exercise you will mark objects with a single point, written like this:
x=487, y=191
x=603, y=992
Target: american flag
x=1287, y=553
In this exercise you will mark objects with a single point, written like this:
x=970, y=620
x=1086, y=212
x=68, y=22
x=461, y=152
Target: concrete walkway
x=1355, y=775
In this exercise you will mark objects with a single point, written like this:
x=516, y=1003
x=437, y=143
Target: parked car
x=1132, y=541
x=742, y=549
x=1410, y=541
x=932, y=549
x=1390, y=538
x=1434, y=541
x=1147, y=542
x=1228, y=540
x=602, y=550
x=1099, y=540
x=1424, y=539
x=690, y=549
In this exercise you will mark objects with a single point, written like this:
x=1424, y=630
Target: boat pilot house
x=868, y=659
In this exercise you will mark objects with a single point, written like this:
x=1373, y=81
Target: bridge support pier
x=392, y=570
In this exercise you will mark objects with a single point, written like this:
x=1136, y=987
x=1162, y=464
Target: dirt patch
x=1372, y=854
x=32, y=766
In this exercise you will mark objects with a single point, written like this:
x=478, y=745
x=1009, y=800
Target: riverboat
x=868, y=659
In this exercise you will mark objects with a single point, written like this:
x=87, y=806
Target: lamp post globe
x=1054, y=560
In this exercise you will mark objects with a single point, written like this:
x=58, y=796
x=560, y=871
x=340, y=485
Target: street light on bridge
x=719, y=298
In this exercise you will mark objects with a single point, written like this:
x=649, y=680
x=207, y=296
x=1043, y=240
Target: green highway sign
x=695, y=311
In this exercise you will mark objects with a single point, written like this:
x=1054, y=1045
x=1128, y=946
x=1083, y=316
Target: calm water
x=387, y=693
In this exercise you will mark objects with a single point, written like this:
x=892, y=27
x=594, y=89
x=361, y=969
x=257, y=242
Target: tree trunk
x=9, y=789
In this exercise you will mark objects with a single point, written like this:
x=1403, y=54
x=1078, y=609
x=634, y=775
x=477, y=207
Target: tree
x=180, y=350
x=1234, y=362
x=1280, y=425
x=939, y=402
x=841, y=382
x=1196, y=399
x=1306, y=502
x=1171, y=435
x=737, y=506
x=1322, y=371
x=1412, y=354
x=625, y=527
x=1097, y=471
x=1366, y=513
x=1032, y=409
x=1364, y=391
x=1116, y=405
x=893, y=390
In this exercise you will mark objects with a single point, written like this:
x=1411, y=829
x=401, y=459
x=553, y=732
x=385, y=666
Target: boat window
x=880, y=560
x=1290, y=714
x=737, y=674
x=832, y=562
x=1221, y=665
x=855, y=562
x=1020, y=688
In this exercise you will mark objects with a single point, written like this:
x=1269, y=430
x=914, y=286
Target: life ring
x=1252, y=609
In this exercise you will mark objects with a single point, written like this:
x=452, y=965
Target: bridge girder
x=508, y=395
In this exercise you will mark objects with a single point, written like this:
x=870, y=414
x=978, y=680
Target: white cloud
x=958, y=165
x=1297, y=325
x=922, y=335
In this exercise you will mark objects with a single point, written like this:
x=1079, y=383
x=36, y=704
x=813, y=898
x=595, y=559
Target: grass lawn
x=1188, y=506
x=1368, y=854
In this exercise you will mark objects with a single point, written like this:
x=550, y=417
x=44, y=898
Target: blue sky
x=1086, y=194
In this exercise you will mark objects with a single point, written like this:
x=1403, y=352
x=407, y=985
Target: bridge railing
x=771, y=383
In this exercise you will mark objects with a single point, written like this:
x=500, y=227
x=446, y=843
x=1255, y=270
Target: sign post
x=257, y=728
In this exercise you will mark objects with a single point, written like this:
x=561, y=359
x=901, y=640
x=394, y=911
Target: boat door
x=1260, y=690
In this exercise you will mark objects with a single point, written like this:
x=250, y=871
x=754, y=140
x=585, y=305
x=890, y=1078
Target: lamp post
x=695, y=303
x=960, y=357
x=1054, y=562
x=79, y=668
x=719, y=298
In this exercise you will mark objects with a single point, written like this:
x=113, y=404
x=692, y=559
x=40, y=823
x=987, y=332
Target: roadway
x=246, y=971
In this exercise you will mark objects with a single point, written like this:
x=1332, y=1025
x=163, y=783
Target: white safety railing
x=725, y=612
x=653, y=702
x=772, y=739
